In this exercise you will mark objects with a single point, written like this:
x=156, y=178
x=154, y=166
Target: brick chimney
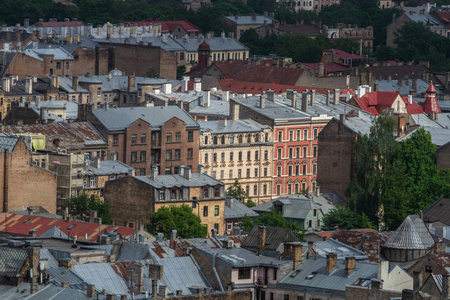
x=261, y=240
x=271, y=95
x=305, y=102
x=90, y=293
x=337, y=95
x=136, y=278
x=350, y=265
x=155, y=272
x=439, y=247
x=294, y=251
x=75, y=83
x=34, y=256
x=331, y=262
x=131, y=82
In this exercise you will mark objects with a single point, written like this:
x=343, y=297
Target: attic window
x=27, y=221
x=295, y=273
x=56, y=142
x=311, y=276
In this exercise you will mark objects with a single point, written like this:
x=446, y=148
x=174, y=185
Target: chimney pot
x=331, y=262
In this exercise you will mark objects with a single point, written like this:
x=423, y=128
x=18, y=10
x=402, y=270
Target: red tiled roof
x=431, y=88
x=248, y=87
x=444, y=17
x=168, y=26
x=375, y=102
x=59, y=24
x=343, y=54
x=329, y=67
x=325, y=234
x=204, y=46
x=22, y=224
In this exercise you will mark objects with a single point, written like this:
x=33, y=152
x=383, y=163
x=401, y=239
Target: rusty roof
x=442, y=259
x=364, y=240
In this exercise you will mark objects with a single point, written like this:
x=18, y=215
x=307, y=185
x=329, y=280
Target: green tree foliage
x=237, y=191
x=180, y=218
x=80, y=206
x=272, y=218
x=345, y=219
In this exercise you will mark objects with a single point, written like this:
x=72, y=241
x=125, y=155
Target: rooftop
x=439, y=211
x=108, y=167
x=275, y=237
x=250, y=20
x=246, y=125
x=236, y=209
x=168, y=181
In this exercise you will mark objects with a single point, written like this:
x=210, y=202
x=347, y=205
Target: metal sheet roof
x=246, y=125
x=11, y=261
x=411, y=234
x=51, y=260
x=274, y=237
x=168, y=181
x=8, y=142
x=60, y=275
x=235, y=209
x=102, y=276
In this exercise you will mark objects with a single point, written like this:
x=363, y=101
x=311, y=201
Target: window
x=247, y=190
x=115, y=140
x=249, y=139
x=299, y=134
x=217, y=192
x=222, y=156
x=206, y=140
x=92, y=182
x=67, y=65
x=169, y=137
x=133, y=156
x=206, y=157
x=310, y=223
x=216, y=210
x=255, y=190
x=239, y=173
x=315, y=212
x=304, y=169
x=205, y=211
x=297, y=169
x=190, y=153
x=240, y=139
x=249, y=155
x=153, y=141
x=256, y=172
x=256, y=155
x=143, y=155
x=314, y=168
x=214, y=174
x=265, y=172
x=305, y=151
x=230, y=174
x=305, y=134
x=297, y=150
x=231, y=156
x=291, y=152
x=161, y=194
x=240, y=155
x=290, y=170
x=279, y=153
x=244, y=273
x=279, y=171
x=214, y=157
x=134, y=138
x=168, y=170
x=139, y=92
x=231, y=139
x=280, y=135
x=177, y=137
x=143, y=138
x=215, y=140
x=315, y=152
x=206, y=193
x=316, y=133
x=278, y=189
x=296, y=188
x=286, y=296
x=177, y=154
x=222, y=174
x=222, y=140
x=99, y=92
x=248, y=173
x=291, y=135
x=289, y=188
x=124, y=98
x=168, y=154
x=173, y=194
x=265, y=189
x=142, y=171
x=190, y=137
x=266, y=154
x=58, y=65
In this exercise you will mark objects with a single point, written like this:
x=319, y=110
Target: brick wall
x=94, y=61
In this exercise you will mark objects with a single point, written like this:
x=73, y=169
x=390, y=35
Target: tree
x=272, y=218
x=345, y=219
x=80, y=206
x=237, y=192
x=181, y=218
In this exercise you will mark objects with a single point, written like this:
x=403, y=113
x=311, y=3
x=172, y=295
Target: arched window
x=206, y=140
x=222, y=140
x=215, y=140
x=257, y=138
x=231, y=139
x=249, y=139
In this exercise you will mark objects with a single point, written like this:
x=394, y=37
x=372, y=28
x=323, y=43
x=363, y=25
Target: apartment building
x=239, y=149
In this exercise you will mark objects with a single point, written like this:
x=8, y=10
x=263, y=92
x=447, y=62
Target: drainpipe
x=216, y=276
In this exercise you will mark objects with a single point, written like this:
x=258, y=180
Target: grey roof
x=424, y=120
x=8, y=142
x=11, y=261
x=109, y=167
x=107, y=248
x=411, y=234
x=102, y=276
x=439, y=136
x=54, y=232
x=51, y=292
x=426, y=18
x=235, y=209
x=240, y=257
x=444, y=119
x=51, y=260
x=121, y=118
x=248, y=20
x=296, y=206
x=60, y=275
x=405, y=88
x=41, y=213
x=168, y=181
x=215, y=43
x=170, y=45
x=131, y=251
x=360, y=124
x=120, y=82
x=216, y=107
x=57, y=51
x=439, y=211
x=6, y=57
x=65, y=84
x=246, y=125
x=333, y=283
x=275, y=236
x=70, y=107
x=342, y=250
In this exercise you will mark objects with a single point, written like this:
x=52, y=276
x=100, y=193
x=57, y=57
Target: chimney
x=96, y=162
x=321, y=69
x=337, y=95
x=167, y=88
x=184, y=84
x=162, y=291
x=136, y=278
x=32, y=233
x=186, y=172
x=206, y=99
x=318, y=191
x=6, y=84
x=154, y=173
x=294, y=251
x=34, y=256
x=445, y=278
x=328, y=98
x=439, y=247
x=75, y=83
x=155, y=288
x=262, y=100
x=55, y=81
x=400, y=82
x=417, y=281
x=261, y=239
x=155, y=272
x=131, y=82
x=331, y=262
x=234, y=111
x=34, y=288
x=173, y=235
x=305, y=102
x=198, y=85
x=410, y=99
x=271, y=95
x=92, y=216
x=28, y=85
x=350, y=265
x=313, y=97
x=292, y=95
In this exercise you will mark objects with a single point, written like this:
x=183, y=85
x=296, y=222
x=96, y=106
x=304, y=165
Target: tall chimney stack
x=261, y=239
x=337, y=95
x=305, y=102
x=331, y=262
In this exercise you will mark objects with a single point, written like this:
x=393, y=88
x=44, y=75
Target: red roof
x=329, y=67
x=204, y=47
x=168, y=26
x=343, y=54
x=431, y=88
x=247, y=87
x=22, y=224
x=325, y=234
x=59, y=24
x=375, y=102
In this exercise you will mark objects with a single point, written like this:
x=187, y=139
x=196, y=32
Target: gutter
x=216, y=276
